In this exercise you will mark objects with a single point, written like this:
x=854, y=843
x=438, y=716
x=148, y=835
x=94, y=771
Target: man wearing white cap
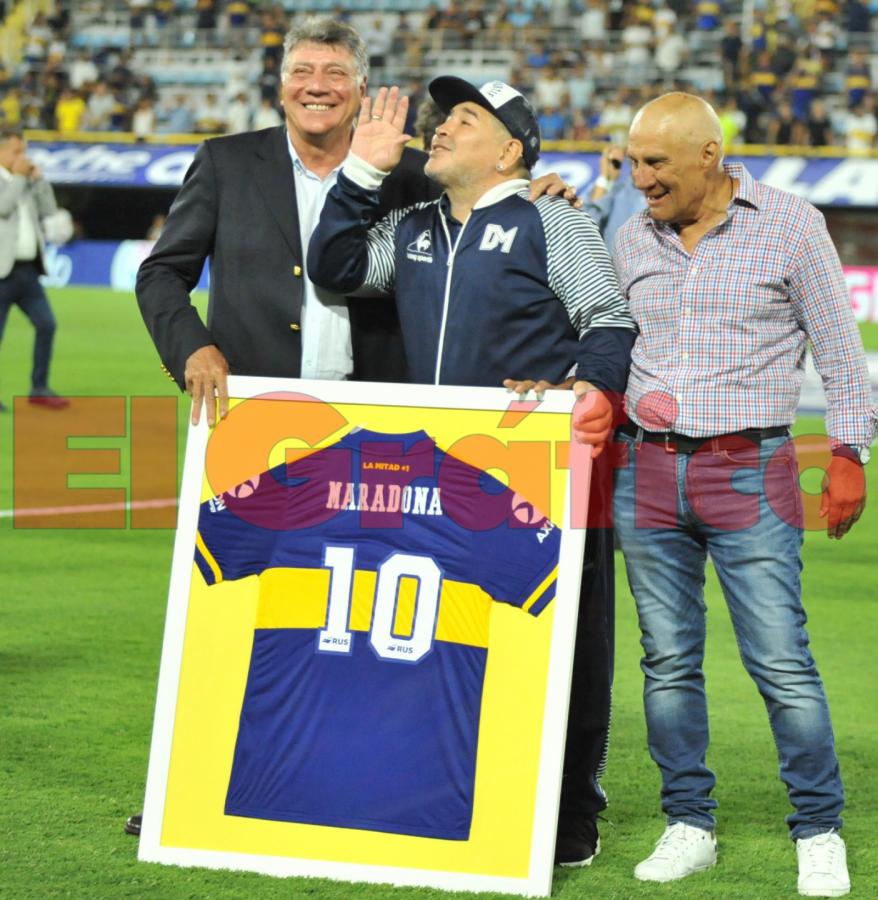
x=492, y=290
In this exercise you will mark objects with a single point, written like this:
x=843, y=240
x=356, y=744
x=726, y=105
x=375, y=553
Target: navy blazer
x=237, y=207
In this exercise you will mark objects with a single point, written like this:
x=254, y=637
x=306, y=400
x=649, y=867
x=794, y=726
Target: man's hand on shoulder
x=551, y=185
x=844, y=496
x=380, y=137
x=592, y=417
x=206, y=378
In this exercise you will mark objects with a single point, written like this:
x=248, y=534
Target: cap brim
x=449, y=90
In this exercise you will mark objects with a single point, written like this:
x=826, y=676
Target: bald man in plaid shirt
x=729, y=280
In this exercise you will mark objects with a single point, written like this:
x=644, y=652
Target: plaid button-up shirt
x=723, y=330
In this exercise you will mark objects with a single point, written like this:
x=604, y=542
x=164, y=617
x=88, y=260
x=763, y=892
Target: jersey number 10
x=336, y=637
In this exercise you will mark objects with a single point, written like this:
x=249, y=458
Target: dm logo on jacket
x=496, y=236
x=421, y=248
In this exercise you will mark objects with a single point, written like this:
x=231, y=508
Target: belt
x=683, y=443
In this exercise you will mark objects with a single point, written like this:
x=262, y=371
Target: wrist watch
x=861, y=454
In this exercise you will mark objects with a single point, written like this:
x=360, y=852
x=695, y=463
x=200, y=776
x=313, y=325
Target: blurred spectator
x=538, y=55
x=69, y=111
x=763, y=78
x=137, y=12
x=784, y=57
x=553, y=124
x=82, y=70
x=10, y=107
x=861, y=125
x=179, y=119
x=664, y=21
x=615, y=119
x=432, y=18
x=266, y=116
x=732, y=120
x=205, y=20
x=474, y=22
x=731, y=50
x=857, y=17
x=121, y=75
x=378, y=39
x=143, y=120
x=550, y=89
x=804, y=85
x=671, y=52
x=238, y=114
x=120, y=115
x=210, y=117
x=238, y=17
x=428, y=119
x=816, y=130
x=781, y=125
x=636, y=42
x=99, y=108
x=39, y=36
x=580, y=87
x=269, y=80
x=708, y=14
x=237, y=75
x=762, y=33
x=593, y=22
x=519, y=16
x=613, y=199
x=857, y=79
x=271, y=35
x=58, y=20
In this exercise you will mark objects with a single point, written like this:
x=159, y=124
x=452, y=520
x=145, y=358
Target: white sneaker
x=823, y=866
x=680, y=851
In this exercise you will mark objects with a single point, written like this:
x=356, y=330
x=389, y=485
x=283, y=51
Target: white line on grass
x=86, y=508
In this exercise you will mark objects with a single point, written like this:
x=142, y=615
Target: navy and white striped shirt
x=723, y=330
x=479, y=301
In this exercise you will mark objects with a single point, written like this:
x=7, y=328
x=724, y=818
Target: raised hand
x=380, y=133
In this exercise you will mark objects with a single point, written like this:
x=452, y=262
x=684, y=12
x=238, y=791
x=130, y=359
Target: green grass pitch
x=81, y=616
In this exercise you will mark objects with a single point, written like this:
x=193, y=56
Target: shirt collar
x=746, y=194
x=490, y=197
x=300, y=167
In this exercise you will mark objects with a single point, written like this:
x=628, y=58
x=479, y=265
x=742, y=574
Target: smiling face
x=468, y=146
x=675, y=159
x=320, y=92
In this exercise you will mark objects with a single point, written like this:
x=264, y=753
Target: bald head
x=683, y=117
x=676, y=151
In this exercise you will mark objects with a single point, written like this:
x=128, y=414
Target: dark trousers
x=588, y=723
x=22, y=287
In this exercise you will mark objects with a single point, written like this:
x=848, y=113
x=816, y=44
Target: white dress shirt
x=326, y=324
x=28, y=244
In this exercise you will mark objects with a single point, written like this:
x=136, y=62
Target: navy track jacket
x=520, y=290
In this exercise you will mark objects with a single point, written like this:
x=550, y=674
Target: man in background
x=26, y=199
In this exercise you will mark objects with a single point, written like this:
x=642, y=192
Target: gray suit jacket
x=39, y=201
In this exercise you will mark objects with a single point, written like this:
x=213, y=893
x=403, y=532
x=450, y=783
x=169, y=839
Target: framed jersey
x=368, y=644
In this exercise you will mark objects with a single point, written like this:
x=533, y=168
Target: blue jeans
x=22, y=287
x=743, y=507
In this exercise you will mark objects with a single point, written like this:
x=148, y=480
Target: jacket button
x=295, y=327
x=297, y=271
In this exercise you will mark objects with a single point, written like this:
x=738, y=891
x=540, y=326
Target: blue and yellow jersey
x=708, y=14
x=857, y=83
x=379, y=561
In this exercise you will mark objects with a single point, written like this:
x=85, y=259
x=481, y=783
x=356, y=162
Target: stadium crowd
x=793, y=72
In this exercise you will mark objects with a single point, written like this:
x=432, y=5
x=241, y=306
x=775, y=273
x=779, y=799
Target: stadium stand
x=753, y=59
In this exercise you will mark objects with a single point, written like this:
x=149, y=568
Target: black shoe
x=133, y=823
x=3, y=407
x=578, y=845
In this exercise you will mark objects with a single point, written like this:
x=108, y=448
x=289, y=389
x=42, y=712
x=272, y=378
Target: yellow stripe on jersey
x=208, y=557
x=404, y=618
x=297, y=598
x=541, y=589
